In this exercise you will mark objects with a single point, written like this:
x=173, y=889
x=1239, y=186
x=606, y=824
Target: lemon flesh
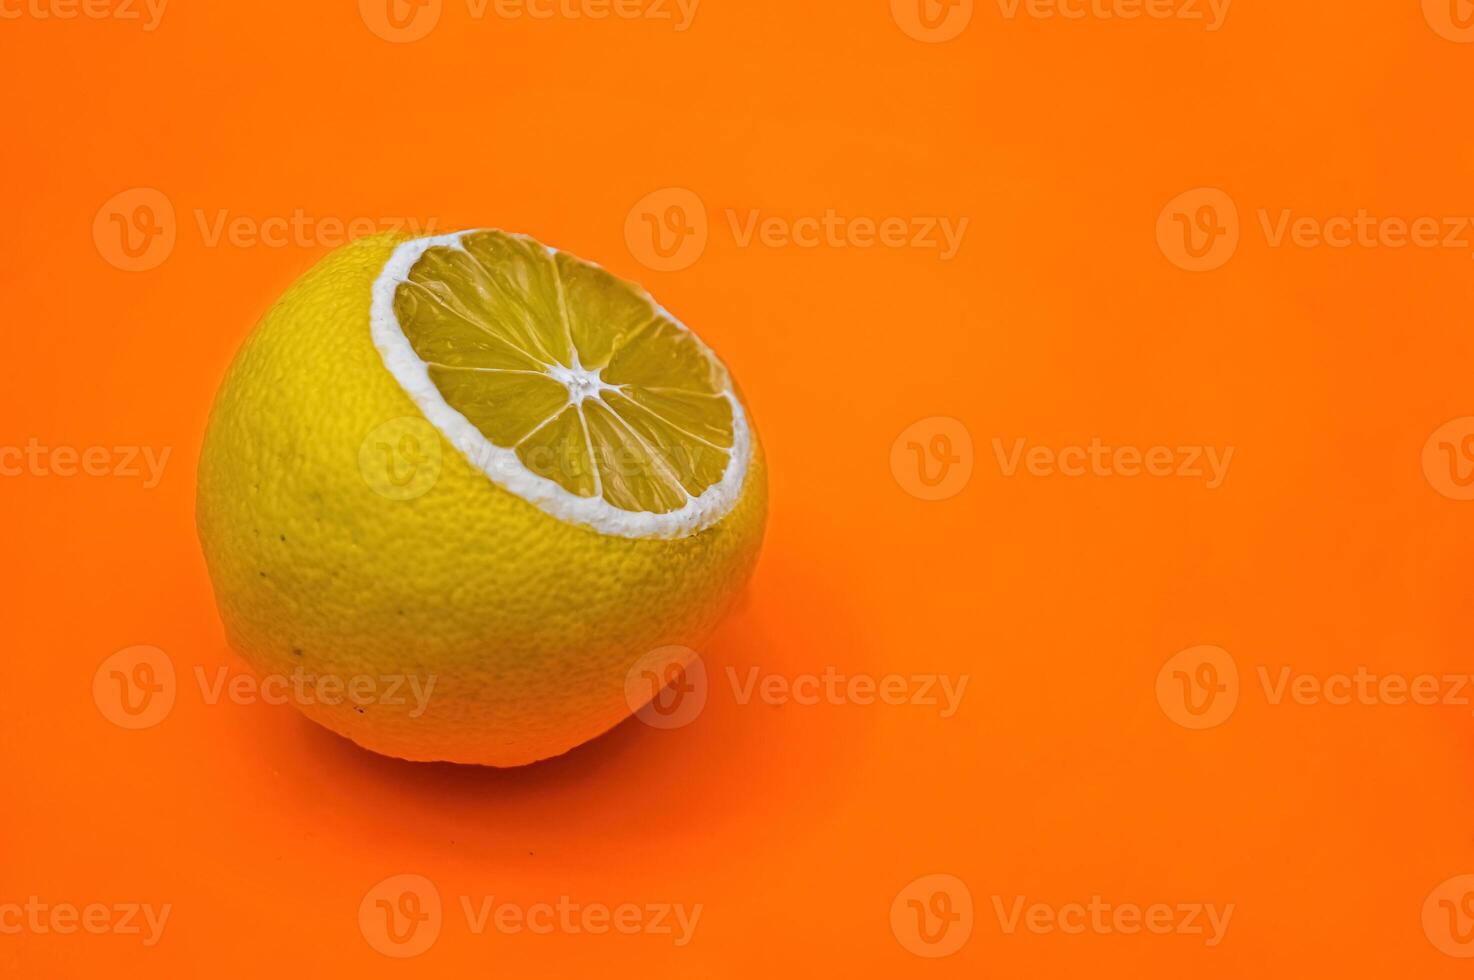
x=576, y=371
x=598, y=494
x=565, y=384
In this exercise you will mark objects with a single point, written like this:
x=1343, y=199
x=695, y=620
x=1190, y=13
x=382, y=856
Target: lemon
x=464, y=485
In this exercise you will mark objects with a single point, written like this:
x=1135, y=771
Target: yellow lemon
x=457, y=489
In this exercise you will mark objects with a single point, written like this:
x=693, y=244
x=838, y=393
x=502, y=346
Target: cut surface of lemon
x=565, y=385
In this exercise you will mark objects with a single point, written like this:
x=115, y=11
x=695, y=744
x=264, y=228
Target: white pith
x=502, y=465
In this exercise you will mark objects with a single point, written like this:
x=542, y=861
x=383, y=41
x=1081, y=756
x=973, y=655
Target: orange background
x=1062, y=776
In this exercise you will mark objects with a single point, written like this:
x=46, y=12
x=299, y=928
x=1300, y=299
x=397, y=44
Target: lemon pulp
x=591, y=385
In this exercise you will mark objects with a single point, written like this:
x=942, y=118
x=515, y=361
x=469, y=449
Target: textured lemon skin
x=527, y=624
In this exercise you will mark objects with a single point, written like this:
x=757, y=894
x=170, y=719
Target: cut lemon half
x=564, y=384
